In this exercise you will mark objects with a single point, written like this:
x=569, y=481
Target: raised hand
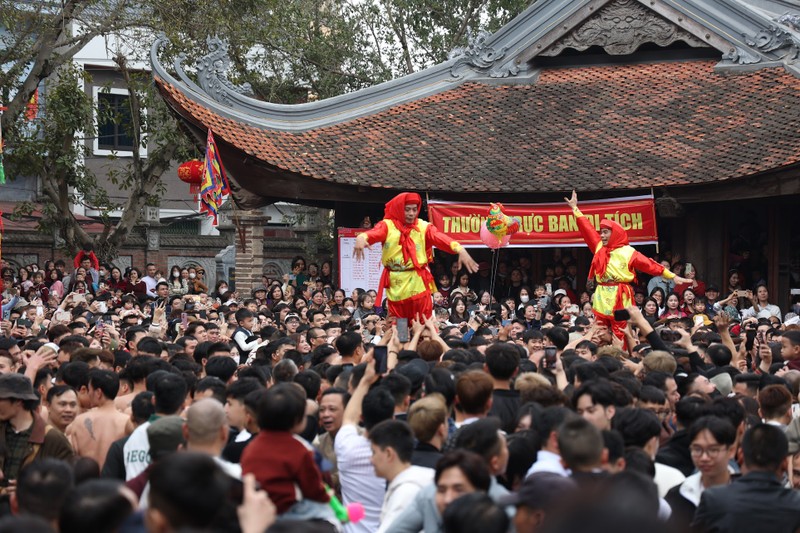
x=257, y=512
x=573, y=200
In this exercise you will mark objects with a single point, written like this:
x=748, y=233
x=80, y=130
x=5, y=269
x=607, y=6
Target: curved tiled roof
x=589, y=128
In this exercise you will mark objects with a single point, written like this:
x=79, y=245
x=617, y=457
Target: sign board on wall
x=545, y=225
x=364, y=274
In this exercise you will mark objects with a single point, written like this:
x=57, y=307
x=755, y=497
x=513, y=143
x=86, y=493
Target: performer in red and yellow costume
x=407, y=249
x=614, y=267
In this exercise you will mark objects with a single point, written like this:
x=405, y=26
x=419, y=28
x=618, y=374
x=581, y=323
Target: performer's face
x=411, y=213
x=605, y=234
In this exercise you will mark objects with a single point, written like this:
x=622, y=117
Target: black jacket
x=675, y=453
x=505, y=406
x=425, y=455
x=755, y=502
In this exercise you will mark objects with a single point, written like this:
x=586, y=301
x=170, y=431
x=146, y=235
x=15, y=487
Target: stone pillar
x=153, y=227
x=250, y=254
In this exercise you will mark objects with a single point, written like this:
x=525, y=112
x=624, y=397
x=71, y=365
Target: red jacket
x=284, y=467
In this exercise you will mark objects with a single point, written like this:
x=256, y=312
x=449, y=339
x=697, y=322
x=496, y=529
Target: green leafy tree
x=288, y=52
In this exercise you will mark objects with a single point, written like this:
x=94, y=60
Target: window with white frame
x=114, y=125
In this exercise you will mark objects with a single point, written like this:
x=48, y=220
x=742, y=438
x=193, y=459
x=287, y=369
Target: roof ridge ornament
x=620, y=27
x=479, y=55
x=776, y=37
x=212, y=70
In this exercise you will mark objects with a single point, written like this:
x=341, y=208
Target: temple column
x=250, y=250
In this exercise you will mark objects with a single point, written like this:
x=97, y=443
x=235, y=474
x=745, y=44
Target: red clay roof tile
x=588, y=128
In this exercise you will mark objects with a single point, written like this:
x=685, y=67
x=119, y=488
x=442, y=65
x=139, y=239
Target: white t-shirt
x=358, y=479
x=402, y=491
x=136, y=452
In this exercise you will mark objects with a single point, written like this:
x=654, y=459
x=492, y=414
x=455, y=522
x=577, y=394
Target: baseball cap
x=17, y=387
x=165, y=435
x=712, y=288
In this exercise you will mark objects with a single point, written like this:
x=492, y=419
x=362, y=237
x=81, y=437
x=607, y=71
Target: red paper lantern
x=191, y=172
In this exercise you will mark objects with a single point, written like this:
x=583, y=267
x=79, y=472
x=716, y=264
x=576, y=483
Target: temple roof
x=499, y=122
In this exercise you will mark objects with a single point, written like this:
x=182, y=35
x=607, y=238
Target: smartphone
x=402, y=329
x=548, y=287
x=381, y=354
x=750, y=337
x=622, y=314
x=698, y=320
x=203, y=315
x=39, y=310
x=741, y=294
x=689, y=268
x=550, y=356
x=99, y=326
x=184, y=320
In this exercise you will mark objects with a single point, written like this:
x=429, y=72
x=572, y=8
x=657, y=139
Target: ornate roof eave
x=744, y=34
x=747, y=37
x=216, y=92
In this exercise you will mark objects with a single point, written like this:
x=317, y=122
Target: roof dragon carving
x=620, y=28
x=212, y=71
x=480, y=56
x=777, y=38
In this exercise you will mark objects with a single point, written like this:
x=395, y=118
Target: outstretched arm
x=589, y=234
x=352, y=413
x=643, y=263
x=436, y=238
x=367, y=238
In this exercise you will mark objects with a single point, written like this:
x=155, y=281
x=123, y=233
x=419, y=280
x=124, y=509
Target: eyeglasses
x=712, y=452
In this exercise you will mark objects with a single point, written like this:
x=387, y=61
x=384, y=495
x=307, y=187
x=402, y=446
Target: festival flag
x=215, y=182
x=33, y=106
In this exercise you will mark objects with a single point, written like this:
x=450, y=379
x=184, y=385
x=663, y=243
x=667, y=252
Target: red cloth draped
x=395, y=211
x=618, y=239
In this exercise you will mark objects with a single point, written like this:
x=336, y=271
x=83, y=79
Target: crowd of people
x=149, y=401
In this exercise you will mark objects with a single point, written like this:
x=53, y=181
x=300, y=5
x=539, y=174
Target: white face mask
x=351, y=309
x=192, y=275
x=524, y=299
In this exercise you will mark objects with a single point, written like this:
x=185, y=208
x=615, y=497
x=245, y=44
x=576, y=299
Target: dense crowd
x=148, y=401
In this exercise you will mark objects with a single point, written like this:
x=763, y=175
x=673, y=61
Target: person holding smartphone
x=614, y=267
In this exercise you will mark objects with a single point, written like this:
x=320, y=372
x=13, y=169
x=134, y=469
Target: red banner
x=545, y=225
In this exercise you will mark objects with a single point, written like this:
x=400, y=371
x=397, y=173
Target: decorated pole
x=2, y=169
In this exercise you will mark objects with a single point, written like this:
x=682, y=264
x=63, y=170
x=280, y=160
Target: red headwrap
x=395, y=211
x=618, y=239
